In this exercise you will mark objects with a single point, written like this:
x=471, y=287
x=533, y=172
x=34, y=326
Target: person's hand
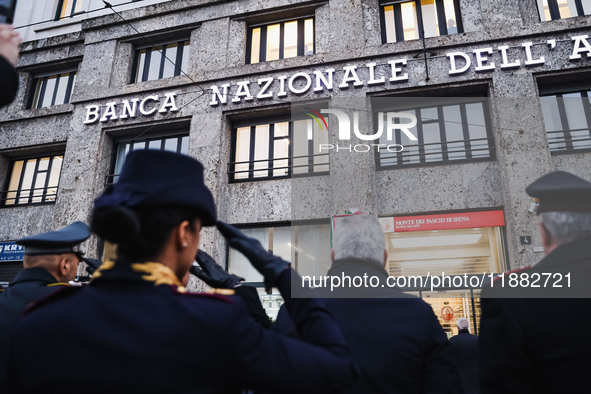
x=268, y=265
x=212, y=273
x=9, y=42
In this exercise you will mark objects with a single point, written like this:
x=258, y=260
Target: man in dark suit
x=534, y=335
x=50, y=262
x=464, y=353
x=395, y=337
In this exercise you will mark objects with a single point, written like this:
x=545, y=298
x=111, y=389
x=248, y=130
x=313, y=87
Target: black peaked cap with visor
x=561, y=191
x=161, y=178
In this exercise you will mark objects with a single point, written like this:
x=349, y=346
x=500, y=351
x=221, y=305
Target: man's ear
x=547, y=240
x=332, y=255
x=64, y=266
x=385, y=257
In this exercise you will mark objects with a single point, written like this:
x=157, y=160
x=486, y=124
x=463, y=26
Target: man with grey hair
x=534, y=330
x=395, y=337
x=463, y=349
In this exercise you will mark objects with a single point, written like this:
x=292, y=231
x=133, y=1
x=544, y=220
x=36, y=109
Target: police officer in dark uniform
x=50, y=262
x=534, y=335
x=135, y=329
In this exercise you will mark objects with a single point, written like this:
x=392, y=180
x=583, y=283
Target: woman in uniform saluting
x=136, y=329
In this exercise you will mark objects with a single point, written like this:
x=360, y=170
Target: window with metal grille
x=561, y=9
x=178, y=143
x=53, y=89
x=160, y=61
x=278, y=149
x=69, y=8
x=33, y=181
x=447, y=131
x=410, y=20
x=280, y=40
x=567, y=118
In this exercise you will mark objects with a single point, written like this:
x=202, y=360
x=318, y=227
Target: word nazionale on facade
x=320, y=80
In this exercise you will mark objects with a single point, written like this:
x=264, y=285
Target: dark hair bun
x=116, y=224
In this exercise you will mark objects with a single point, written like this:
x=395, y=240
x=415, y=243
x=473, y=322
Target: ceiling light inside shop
x=439, y=240
x=436, y=263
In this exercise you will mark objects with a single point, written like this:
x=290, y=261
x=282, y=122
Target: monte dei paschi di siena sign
x=324, y=80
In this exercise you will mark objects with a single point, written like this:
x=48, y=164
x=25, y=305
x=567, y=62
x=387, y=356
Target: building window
x=561, y=9
x=69, y=8
x=307, y=247
x=33, y=181
x=278, y=150
x=447, y=131
x=161, y=61
x=411, y=20
x=173, y=143
x=567, y=118
x=280, y=40
x=53, y=89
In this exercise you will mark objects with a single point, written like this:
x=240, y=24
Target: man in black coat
x=50, y=262
x=464, y=352
x=534, y=335
x=395, y=337
x=9, y=53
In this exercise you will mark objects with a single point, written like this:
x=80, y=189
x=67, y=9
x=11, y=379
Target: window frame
x=273, y=225
x=444, y=151
x=398, y=25
x=263, y=38
x=60, y=8
x=178, y=65
x=271, y=121
x=179, y=134
x=584, y=90
x=43, y=78
x=554, y=10
x=38, y=157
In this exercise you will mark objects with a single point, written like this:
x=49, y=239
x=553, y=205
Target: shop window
x=471, y=251
x=411, y=20
x=278, y=150
x=280, y=40
x=69, y=8
x=160, y=61
x=53, y=89
x=567, y=119
x=174, y=143
x=447, y=131
x=33, y=180
x=561, y=9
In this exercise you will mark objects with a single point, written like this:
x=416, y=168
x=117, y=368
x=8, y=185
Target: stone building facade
x=216, y=80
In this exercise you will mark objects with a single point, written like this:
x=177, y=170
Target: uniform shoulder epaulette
x=220, y=294
x=511, y=272
x=62, y=292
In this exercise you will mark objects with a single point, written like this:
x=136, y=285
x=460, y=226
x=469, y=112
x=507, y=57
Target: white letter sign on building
x=481, y=60
x=126, y=109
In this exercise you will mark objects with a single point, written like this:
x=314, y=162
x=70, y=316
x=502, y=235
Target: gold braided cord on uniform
x=159, y=274
x=59, y=284
x=107, y=265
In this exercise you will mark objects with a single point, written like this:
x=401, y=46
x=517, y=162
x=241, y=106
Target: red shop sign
x=449, y=221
